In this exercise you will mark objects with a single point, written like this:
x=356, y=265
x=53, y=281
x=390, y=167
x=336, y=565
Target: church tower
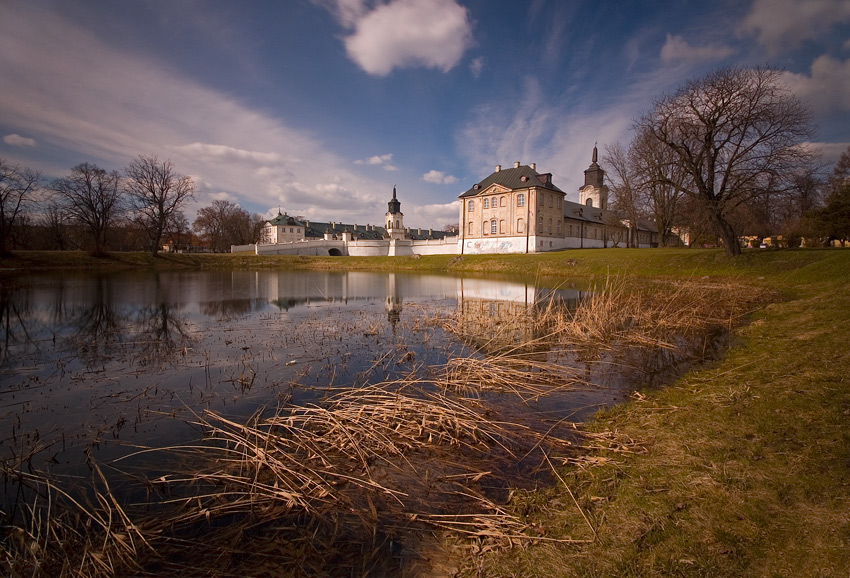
x=395, y=218
x=594, y=193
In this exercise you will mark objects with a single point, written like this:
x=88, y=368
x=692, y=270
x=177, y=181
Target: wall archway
x=334, y=252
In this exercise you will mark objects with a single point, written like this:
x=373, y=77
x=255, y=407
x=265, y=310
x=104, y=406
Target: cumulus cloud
x=677, y=49
x=405, y=33
x=826, y=88
x=433, y=215
x=383, y=161
x=779, y=24
x=438, y=177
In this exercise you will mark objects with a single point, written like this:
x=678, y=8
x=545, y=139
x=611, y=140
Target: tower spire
x=595, y=153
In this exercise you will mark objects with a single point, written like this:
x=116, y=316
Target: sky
x=319, y=108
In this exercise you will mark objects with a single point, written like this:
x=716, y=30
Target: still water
x=115, y=361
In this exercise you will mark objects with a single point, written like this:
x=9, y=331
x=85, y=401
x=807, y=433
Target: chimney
x=498, y=168
x=533, y=166
x=307, y=223
x=516, y=164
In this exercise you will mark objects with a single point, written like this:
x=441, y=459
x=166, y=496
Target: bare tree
x=625, y=189
x=91, y=196
x=17, y=187
x=734, y=133
x=223, y=224
x=660, y=180
x=156, y=192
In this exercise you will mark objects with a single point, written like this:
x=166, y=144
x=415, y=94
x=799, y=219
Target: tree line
x=725, y=157
x=139, y=208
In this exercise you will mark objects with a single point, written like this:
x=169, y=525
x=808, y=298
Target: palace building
x=520, y=210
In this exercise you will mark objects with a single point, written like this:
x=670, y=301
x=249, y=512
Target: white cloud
x=18, y=141
x=438, y=177
x=383, y=161
x=785, y=24
x=435, y=215
x=405, y=33
x=217, y=152
x=827, y=88
x=677, y=49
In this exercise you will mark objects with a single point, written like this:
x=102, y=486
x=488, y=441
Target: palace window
x=469, y=228
x=559, y=228
x=502, y=201
x=541, y=198
x=493, y=226
x=471, y=206
x=550, y=226
x=520, y=226
x=550, y=201
x=486, y=204
x=502, y=227
x=559, y=202
x=485, y=227
x=520, y=200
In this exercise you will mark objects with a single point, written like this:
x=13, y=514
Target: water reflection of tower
x=393, y=302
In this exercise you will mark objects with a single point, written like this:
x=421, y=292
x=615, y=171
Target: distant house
x=282, y=229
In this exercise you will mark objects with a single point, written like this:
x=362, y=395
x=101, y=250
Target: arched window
x=589, y=202
x=493, y=226
x=502, y=227
x=520, y=226
x=484, y=227
x=469, y=228
x=502, y=201
x=398, y=224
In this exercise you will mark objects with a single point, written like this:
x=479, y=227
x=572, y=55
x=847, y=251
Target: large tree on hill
x=737, y=135
x=91, y=196
x=17, y=187
x=156, y=193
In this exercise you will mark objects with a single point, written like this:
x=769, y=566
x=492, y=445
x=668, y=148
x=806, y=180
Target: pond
x=98, y=371
x=109, y=360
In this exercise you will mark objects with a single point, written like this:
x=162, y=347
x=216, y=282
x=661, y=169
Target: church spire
x=595, y=153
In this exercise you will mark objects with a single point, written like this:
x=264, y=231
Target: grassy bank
x=739, y=469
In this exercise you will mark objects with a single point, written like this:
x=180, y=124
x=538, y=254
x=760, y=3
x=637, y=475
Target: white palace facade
x=515, y=210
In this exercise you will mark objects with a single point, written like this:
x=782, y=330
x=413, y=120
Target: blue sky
x=319, y=107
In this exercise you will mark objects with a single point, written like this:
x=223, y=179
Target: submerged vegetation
x=738, y=468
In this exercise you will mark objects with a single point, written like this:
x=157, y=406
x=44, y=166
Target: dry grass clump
x=64, y=535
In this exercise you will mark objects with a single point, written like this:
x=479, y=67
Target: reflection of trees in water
x=15, y=310
x=231, y=307
x=99, y=327
x=161, y=330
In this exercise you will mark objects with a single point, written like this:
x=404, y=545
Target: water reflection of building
x=505, y=312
